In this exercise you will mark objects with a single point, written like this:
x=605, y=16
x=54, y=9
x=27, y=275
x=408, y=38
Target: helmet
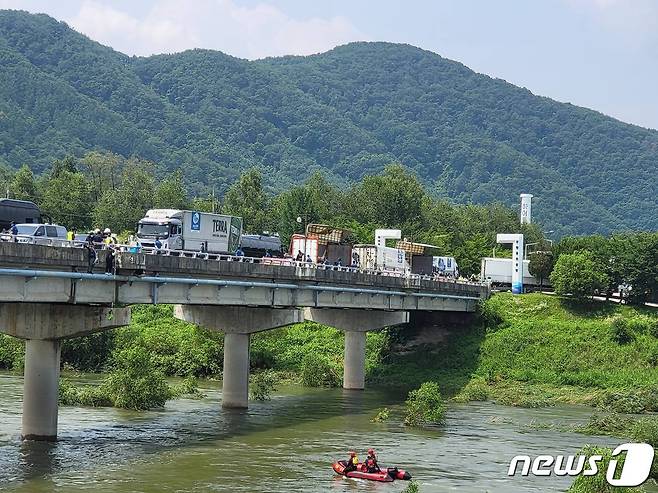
x=371, y=451
x=107, y=231
x=97, y=230
x=352, y=453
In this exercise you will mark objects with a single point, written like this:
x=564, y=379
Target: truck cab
x=165, y=224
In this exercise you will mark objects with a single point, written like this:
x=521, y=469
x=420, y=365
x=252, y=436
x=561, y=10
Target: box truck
x=498, y=271
x=190, y=230
x=381, y=258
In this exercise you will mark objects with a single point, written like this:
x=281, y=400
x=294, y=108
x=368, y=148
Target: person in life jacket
x=108, y=238
x=352, y=463
x=371, y=461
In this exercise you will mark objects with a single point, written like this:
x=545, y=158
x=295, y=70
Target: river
x=283, y=445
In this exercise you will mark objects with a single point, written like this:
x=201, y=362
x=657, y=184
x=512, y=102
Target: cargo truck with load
x=190, y=230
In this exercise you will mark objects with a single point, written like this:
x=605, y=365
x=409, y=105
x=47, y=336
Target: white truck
x=498, y=271
x=382, y=258
x=190, y=230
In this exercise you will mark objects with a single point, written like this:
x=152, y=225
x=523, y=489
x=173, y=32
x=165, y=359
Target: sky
x=601, y=54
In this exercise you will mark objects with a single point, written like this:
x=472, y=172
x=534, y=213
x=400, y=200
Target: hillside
x=347, y=112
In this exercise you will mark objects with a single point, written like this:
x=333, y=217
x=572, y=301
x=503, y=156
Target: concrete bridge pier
x=237, y=323
x=355, y=323
x=43, y=325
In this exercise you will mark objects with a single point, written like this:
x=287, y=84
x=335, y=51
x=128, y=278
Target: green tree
x=297, y=202
x=246, y=198
x=67, y=164
x=122, y=208
x=104, y=172
x=171, y=193
x=577, y=274
x=23, y=185
x=326, y=198
x=640, y=268
x=541, y=263
x=393, y=199
x=67, y=199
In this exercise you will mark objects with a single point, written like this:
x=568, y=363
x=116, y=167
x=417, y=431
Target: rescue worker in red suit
x=371, y=462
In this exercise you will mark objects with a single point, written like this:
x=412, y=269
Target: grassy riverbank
x=540, y=349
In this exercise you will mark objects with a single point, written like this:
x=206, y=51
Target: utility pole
x=213, y=199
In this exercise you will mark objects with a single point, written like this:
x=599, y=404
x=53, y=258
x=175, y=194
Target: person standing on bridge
x=109, y=259
x=92, y=257
x=13, y=229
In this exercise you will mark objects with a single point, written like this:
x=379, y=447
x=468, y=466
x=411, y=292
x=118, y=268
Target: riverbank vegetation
x=540, y=349
x=134, y=383
x=425, y=405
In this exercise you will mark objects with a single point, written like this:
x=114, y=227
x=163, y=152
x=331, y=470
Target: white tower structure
x=517, y=259
x=526, y=208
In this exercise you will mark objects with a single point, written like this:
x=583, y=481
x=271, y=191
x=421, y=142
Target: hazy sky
x=602, y=54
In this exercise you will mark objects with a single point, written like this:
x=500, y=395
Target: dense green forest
x=349, y=113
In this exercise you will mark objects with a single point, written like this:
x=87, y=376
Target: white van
x=38, y=234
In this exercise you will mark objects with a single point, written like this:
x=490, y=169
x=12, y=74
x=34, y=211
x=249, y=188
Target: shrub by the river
x=12, y=353
x=425, y=406
x=620, y=330
x=632, y=401
x=176, y=347
x=319, y=371
x=598, y=482
x=475, y=390
x=134, y=383
x=263, y=384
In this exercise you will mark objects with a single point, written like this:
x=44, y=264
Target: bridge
x=46, y=296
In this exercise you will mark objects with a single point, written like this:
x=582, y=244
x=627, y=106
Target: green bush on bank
x=177, y=348
x=12, y=353
x=598, y=483
x=425, y=405
x=318, y=370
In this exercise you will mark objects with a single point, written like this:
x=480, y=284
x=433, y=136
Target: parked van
x=38, y=234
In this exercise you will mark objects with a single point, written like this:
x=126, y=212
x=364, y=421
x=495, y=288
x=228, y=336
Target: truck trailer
x=380, y=258
x=190, y=230
x=498, y=271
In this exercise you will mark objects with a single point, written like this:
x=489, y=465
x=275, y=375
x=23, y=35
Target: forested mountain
x=347, y=112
